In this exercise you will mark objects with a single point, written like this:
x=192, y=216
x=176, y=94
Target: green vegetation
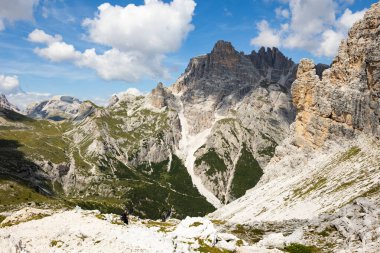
x=344, y=185
x=15, y=195
x=214, y=162
x=205, y=248
x=56, y=243
x=162, y=189
x=151, y=189
x=164, y=227
x=317, y=184
x=196, y=224
x=349, y=154
x=373, y=190
x=247, y=174
x=219, y=222
x=248, y=233
x=239, y=243
x=299, y=248
x=2, y=218
x=270, y=149
x=34, y=217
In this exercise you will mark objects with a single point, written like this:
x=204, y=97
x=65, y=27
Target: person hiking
x=167, y=215
x=124, y=217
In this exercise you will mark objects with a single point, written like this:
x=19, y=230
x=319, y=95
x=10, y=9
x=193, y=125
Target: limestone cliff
x=331, y=157
x=345, y=102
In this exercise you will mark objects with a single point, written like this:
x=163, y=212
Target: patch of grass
x=239, y=243
x=100, y=216
x=218, y=222
x=371, y=191
x=214, y=162
x=164, y=227
x=302, y=191
x=14, y=195
x=247, y=174
x=56, y=243
x=34, y=217
x=349, y=154
x=160, y=189
x=205, y=248
x=270, y=149
x=344, y=185
x=300, y=248
x=2, y=218
x=248, y=233
x=196, y=224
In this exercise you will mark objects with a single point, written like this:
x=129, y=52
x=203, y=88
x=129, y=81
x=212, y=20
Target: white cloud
x=267, y=36
x=313, y=26
x=58, y=51
x=154, y=27
x=9, y=84
x=330, y=43
x=11, y=11
x=23, y=99
x=348, y=18
x=138, y=37
x=282, y=13
x=130, y=91
x=40, y=36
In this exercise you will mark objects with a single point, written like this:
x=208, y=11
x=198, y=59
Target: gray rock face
x=4, y=103
x=246, y=101
x=346, y=100
x=58, y=108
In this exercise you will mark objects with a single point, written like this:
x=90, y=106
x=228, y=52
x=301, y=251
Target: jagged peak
x=223, y=47
x=270, y=56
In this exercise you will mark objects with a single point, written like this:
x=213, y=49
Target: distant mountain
x=4, y=103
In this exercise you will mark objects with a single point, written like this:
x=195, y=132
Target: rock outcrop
x=330, y=158
x=4, y=103
x=58, y=108
x=346, y=101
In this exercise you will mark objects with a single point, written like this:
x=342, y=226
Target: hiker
x=167, y=215
x=124, y=217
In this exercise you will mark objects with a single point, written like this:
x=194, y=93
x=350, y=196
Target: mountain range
x=248, y=139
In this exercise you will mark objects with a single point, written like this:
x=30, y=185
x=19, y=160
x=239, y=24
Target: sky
x=94, y=49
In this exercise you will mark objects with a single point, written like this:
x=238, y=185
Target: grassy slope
x=149, y=194
x=247, y=174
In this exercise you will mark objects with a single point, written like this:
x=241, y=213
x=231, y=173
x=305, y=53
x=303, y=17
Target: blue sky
x=175, y=31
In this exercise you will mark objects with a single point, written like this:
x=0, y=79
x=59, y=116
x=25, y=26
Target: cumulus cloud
x=139, y=37
x=267, y=36
x=314, y=26
x=9, y=84
x=348, y=18
x=14, y=10
x=40, y=36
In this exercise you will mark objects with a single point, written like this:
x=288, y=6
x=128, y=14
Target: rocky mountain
x=331, y=156
x=4, y=103
x=59, y=108
x=237, y=107
x=205, y=139
x=292, y=150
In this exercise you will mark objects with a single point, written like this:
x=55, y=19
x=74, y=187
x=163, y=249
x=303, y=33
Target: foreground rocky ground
x=355, y=228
